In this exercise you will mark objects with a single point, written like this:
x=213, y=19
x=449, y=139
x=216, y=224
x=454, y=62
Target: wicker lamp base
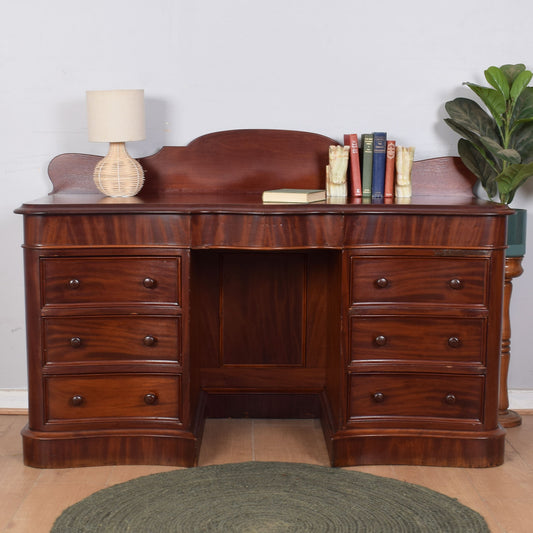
x=118, y=174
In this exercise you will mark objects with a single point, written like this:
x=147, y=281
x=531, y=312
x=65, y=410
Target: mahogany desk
x=194, y=299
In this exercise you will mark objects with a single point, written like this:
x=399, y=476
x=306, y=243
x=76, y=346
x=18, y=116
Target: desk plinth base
x=101, y=448
x=429, y=448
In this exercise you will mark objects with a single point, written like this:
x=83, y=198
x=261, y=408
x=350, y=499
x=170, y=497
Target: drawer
x=415, y=338
x=415, y=396
x=115, y=280
x=448, y=280
x=110, y=396
x=95, y=339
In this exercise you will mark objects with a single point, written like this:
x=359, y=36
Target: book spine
x=389, y=169
x=379, y=160
x=354, y=182
x=366, y=174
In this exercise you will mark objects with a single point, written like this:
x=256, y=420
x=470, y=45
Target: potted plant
x=496, y=143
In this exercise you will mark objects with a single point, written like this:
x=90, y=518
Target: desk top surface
x=251, y=203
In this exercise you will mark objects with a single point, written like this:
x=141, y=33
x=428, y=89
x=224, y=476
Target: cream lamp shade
x=117, y=117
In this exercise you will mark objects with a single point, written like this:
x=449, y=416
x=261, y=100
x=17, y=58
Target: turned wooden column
x=506, y=417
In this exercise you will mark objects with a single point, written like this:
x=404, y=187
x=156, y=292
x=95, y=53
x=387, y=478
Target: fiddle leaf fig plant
x=496, y=143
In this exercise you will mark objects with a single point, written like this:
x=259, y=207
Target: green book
x=366, y=164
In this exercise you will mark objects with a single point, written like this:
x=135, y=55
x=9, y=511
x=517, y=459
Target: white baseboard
x=521, y=399
x=17, y=399
x=13, y=399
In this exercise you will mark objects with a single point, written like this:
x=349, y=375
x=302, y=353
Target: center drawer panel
x=415, y=338
x=109, y=338
x=115, y=280
x=109, y=396
x=449, y=280
x=415, y=396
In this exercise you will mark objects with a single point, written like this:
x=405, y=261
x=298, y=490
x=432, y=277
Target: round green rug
x=268, y=497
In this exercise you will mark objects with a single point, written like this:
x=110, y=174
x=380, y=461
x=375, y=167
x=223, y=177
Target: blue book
x=379, y=161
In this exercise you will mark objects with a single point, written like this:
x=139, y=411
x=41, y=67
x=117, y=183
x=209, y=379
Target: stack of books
x=372, y=166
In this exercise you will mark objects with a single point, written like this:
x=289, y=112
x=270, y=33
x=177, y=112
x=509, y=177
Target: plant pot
x=516, y=233
x=516, y=225
x=516, y=248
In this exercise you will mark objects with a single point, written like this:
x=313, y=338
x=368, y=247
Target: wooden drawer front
x=109, y=396
x=89, y=339
x=411, y=395
x=111, y=280
x=438, y=339
x=414, y=279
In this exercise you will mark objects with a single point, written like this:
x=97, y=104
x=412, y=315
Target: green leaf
x=494, y=101
x=507, y=154
x=523, y=109
x=455, y=126
x=522, y=141
x=497, y=79
x=512, y=178
x=472, y=117
x=512, y=71
x=466, y=134
x=477, y=164
x=491, y=187
x=475, y=141
x=520, y=83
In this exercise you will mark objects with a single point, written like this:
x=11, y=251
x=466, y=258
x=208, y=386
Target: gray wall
x=328, y=67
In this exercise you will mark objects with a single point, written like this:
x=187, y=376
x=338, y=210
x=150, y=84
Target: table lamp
x=117, y=117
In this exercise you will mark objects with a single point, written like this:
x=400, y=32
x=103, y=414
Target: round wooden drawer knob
x=380, y=340
x=149, y=340
x=150, y=283
x=378, y=397
x=382, y=283
x=150, y=398
x=75, y=342
x=450, y=399
x=456, y=284
x=454, y=342
x=74, y=284
x=77, y=400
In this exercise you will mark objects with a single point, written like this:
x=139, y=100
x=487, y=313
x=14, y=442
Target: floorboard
x=31, y=499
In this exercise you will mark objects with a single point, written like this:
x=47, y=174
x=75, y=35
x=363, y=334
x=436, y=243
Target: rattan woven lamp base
x=118, y=174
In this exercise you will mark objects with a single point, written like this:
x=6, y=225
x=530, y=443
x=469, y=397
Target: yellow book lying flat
x=300, y=196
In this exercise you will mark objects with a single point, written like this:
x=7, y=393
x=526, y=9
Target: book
x=300, y=196
x=379, y=159
x=389, y=169
x=354, y=170
x=367, y=146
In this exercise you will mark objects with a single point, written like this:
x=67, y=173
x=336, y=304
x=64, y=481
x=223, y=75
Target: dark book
x=379, y=160
x=367, y=146
x=390, y=169
x=354, y=171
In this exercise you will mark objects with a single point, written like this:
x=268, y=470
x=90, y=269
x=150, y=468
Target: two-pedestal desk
x=194, y=299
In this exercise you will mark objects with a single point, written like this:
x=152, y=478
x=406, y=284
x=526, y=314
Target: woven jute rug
x=268, y=497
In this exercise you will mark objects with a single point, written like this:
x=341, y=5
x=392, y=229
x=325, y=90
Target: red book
x=389, y=169
x=354, y=181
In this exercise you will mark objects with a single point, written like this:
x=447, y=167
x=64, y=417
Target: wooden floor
x=30, y=499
